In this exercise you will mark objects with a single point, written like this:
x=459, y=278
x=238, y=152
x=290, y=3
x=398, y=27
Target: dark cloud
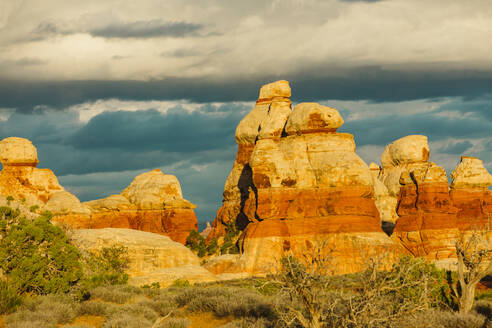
x=147, y=29
x=177, y=131
x=363, y=83
x=384, y=129
x=456, y=148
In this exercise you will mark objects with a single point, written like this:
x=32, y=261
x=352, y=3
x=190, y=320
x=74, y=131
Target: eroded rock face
x=303, y=184
x=470, y=194
x=427, y=224
x=267, y=119
x=153, y=257
x=30, y=186
x=153, y=201
x=402, y=156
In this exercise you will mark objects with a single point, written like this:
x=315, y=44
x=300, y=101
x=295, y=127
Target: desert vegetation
x=47, y=282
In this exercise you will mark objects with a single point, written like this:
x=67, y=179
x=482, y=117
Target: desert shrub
x=174, y=323
x=44, y=311
x=164, y=304
x=9, y=298
x=93, y=308
x=115, y=293
x=181, y=283
x=33, y=208
x=230, y=246
x=195, y=241
x=131, y=315
x=36, y=255
x=441, y=319
x=125, y=320
x=107, y=266
x=225, y=302
x=154, y=285
x=212, y=246
x=373, y=298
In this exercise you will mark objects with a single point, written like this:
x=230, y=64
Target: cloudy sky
x=109, y=89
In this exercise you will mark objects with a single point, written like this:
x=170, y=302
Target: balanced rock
x=470, y=194
x=302, y=185
x=403, y=155
x=152, y=257
x=267, y=119
x=25, y=183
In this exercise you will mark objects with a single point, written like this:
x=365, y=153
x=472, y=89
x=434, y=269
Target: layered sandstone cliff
x=152, y=202
x=306, y=186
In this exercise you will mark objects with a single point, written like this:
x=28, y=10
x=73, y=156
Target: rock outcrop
x=415, y=196
x=152, y=202
x=267, y=118
x=470, y=194
x=152, y=257
x=304, y=184
x=30, y=186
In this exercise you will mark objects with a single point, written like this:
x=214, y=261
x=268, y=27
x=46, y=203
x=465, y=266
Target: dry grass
x=206, y=320
x=92, y=321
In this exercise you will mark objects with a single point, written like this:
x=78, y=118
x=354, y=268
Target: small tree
x=36, y=255
x=474, y=264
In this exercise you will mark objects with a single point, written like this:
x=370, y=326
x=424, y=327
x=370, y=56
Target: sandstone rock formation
x=21, y=180
x=153, y=201
x=301, y=184
x=267, y=118
x=403, y=155
x=427, y=224
x=470, y=194
x=413, y=193
x=153, y=257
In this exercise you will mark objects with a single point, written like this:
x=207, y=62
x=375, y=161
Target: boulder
x=18, y=151
x=152, y=257
x=403, y=155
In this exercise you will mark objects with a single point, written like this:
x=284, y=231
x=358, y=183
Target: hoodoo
x=470, y=194
x=304, y=186
x=30, y=186
x=153, y=202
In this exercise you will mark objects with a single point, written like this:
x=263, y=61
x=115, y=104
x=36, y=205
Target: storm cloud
x=107, y=92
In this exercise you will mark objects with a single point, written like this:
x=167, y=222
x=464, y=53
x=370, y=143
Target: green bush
x=107, y=266
x=9, y=298
x=36, y=255
x=212, y=246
